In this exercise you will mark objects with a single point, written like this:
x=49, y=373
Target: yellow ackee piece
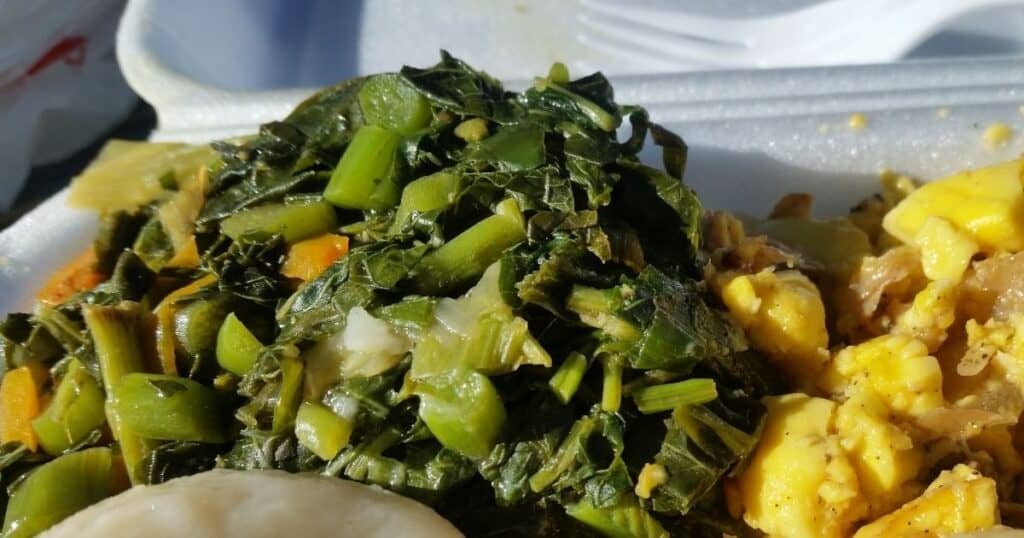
x=895, y=368
x=784, y=317
x=994, y=349
x=799, y=482
x=931, y=314
x=650, y=477
x=187, y=257
x=945, y=251
x=959, y=500
x=986, y=204
x=990, y=373
x=883, y=455
x=1006, y=336
x=997, y=441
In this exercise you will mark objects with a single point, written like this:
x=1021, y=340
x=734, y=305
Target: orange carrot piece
x=78, y=275
x=19, y=404
x=187, y=257
x=165, y=323
x=308, y=259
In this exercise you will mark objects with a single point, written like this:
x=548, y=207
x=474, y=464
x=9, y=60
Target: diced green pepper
x=197, y=323
x=611, y=387
x=436, y=191
x=237, y=348
x=390, y=102
x=115, y=335
x=322, y=431
x=468, y=254
x=75, y=410
x=668, y=396
x=294, y=221
x=598, y=309
x=463, y=410
x=114, y=330
x=365, y=175
x=58, y=489
x=169, y=408
x=290, y=395
x=567, y=379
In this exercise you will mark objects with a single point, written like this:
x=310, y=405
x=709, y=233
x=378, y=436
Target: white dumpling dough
x=234, y=504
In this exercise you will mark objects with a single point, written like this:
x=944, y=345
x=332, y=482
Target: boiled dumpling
x=226, y=504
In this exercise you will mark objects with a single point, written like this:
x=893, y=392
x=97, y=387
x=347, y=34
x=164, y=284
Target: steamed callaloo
x=477, y=298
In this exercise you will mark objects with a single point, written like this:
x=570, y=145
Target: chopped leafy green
x=625, y=520
x=515, y=327
x=516, y=147
x=660, y=322
x=702, y=445
x=463, y=411
x=658, y=398
x=567, y=379
x=117, y=232
x=455, y=86
x=58, y=489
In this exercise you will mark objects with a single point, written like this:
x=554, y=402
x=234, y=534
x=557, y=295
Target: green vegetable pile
x=518, y=335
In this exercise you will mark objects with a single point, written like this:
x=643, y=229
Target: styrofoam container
x=753, y=135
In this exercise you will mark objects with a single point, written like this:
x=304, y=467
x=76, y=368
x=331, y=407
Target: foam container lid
x=753, y=135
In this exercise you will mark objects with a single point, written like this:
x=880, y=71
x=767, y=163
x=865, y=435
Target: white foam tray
x=753, y=135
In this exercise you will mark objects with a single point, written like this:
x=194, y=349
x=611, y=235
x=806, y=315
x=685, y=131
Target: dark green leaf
x=535, y=434
x=680, y=329
x=513, y=147
x=117, y=232
x=606, y=275
x=588, y=101
x=539, y=188
x=327, y=119
x=248, y=268
x=703, y=444
x=562, y=264
x=673, y=150
x=680, y=198
x=455, y=86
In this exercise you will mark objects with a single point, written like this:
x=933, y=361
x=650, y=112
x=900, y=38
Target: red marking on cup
x=70, y=50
